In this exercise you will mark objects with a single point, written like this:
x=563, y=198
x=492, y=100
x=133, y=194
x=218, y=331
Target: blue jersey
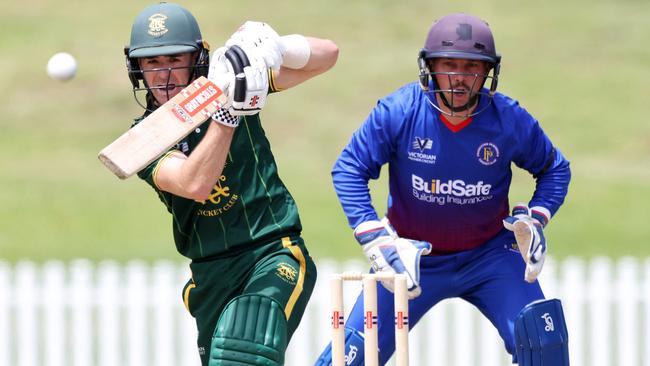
x=448, y=185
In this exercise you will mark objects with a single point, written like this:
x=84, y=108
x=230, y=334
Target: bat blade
x=162, y=129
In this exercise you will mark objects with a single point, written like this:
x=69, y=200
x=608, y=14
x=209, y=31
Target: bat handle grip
x=239, y=61
x=240, y=88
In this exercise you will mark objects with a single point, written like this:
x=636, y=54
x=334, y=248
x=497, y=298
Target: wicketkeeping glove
x=387, y=252
x=529, y=233
x=260, y=38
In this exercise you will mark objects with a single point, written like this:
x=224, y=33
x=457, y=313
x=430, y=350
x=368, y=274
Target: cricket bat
x=163, y=128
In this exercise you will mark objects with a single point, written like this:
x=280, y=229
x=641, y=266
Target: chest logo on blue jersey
x=418, y=151
x=487, y=153
x=450, y=191
x=422, y=143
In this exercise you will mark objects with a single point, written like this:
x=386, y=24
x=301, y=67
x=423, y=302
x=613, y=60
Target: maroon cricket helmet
x=460, y=35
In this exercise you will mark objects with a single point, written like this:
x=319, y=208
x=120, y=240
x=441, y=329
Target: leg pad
x=541, y=334
x=252, y=330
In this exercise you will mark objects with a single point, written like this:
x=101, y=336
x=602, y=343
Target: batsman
x=450, y=141
x=232, y=216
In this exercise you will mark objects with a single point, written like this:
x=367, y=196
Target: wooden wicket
x=371, y=336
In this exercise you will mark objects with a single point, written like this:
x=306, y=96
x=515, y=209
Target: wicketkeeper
x=232, y=216
x=450, y=140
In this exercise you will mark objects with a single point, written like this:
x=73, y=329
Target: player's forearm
x=354, y=195
x=552, y=186
x=323, y=56
x=205, y=164
x=194, y=176
x=360, y=161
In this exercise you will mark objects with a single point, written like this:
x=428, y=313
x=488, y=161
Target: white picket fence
x=83, y=314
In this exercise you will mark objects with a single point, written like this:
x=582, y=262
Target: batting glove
x=221, y=74
x=260, y=38
x=389, y=253
x=249, y=78
x=529, y=233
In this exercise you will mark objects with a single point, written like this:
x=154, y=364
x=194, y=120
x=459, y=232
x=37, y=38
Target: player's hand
x=529, y=233
x=260, y=38
x=257, y=84
x=248, y=75
x=389, y=253
x=221, y=74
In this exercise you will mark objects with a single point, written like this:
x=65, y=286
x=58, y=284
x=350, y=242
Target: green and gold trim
x=272, y=86
x=297, y=290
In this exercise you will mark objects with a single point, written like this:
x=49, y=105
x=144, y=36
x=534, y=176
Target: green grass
x=580, y=67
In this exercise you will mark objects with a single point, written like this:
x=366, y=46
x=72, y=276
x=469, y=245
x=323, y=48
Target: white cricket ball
x=62, y=66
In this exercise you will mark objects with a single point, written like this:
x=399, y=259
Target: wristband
x=541, y=214
x=297, y=51
x=225, y=118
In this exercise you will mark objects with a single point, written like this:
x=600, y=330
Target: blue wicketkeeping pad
x=541, y=334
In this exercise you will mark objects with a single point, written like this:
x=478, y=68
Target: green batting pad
x=252, y=330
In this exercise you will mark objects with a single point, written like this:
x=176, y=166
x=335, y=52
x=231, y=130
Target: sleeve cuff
x=541, y=214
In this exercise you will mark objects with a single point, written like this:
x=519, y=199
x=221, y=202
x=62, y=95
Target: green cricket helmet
x=165, y=29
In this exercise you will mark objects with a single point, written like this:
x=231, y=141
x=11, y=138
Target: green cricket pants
x=281, y=269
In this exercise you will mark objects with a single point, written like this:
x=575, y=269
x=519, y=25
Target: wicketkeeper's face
x=459, y=79
x=166, y=76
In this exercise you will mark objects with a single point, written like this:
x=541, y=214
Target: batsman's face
x=166, y=76
x=460, y=79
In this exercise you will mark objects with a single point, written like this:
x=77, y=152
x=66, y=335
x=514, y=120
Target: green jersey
x=249, y=205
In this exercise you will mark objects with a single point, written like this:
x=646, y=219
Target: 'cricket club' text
x=455, y=191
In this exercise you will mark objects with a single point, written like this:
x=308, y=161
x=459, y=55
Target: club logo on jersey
x=419, y=146
x=157, y=25
x=286, y=272
x=487, y=153
x=220, y=197
x=452, y=191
